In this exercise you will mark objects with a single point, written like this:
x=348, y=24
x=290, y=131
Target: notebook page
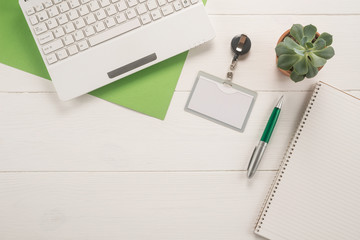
x=318, y=195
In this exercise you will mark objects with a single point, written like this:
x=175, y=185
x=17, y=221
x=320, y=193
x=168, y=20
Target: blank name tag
x=221, y=103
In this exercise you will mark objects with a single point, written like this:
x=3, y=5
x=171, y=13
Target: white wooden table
x=88, y=169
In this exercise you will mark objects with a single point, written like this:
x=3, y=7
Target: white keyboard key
x=39, y=7
x=53, y=11
x=141, y=9
x=62, y=54
x=52, y=23
x=48, y=3
x=33, y=20
x=73, y=50
x=51, y=59
x=99, y=26
x=40, y=28
x=59, y=32
x=104, y=3
x=79, y=23
x=79, y=35
x=83, y=10
x=46, y=37
x=110, y=22
x=64, y=7
x=62, y=19
x=73, y=14
x=94, y=5
x=145, y=18
x=156, y=14
x=166, y=10
x=121, y=5
x=114, y=32
x=161, y=2
x=90, y=18
x=42, y=16
x=100, y=14
x=110, y=10
x=53, y=46
x=89, y=31
x=130, y=13
x=177, y=5
x=69, y=27
x=68, y=39
x=151, y=4
x=74, y=3
x=120, y=18
x=185, y=3
x=85, y=23
x=30, y=11
x=83, y=45
x=132, y=3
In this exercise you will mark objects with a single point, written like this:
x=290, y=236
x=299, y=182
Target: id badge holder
x=222, y=101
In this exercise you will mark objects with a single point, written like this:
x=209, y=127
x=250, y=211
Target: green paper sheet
x=148, y=91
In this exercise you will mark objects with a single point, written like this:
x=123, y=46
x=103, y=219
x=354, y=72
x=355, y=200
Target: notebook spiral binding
x=286, y=160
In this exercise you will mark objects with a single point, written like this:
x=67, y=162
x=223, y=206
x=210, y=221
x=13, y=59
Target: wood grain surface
x=87, y=169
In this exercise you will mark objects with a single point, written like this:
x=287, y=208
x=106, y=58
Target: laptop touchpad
x=131, y=66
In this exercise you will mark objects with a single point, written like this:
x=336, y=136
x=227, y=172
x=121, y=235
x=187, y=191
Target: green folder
x=148, y=91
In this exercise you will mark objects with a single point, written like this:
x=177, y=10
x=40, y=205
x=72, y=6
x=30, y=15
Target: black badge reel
x=220, y=100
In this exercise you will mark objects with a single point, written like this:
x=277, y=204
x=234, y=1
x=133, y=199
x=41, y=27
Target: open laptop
x=87, y=44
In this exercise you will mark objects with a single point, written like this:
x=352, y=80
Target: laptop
x=87, y=44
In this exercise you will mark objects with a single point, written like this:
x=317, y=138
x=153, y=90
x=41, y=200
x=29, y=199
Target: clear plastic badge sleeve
x=227, y=104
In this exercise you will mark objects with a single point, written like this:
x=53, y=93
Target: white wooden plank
x=14, y=80
x=282, y=7
x=258, y=69
x=355, y=93
x=131, y=206
x=41, y=133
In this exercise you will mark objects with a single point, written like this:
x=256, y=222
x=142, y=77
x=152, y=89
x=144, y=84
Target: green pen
x=261, y=147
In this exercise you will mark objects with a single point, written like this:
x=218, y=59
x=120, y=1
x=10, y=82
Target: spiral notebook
x=316, y=193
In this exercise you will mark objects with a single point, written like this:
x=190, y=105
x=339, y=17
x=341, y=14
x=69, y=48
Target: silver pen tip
x=280, y=102
x=250, y=174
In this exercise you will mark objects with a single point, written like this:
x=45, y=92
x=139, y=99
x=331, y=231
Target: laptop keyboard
x=65, y=28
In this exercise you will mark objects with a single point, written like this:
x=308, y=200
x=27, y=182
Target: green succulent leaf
x=281, y=49
x=310, y=31
x=303, y=41
x=297, y=32
x=312, y=70
x=301, y=66
x=302, y=54
x=327, y=37
x=296, y=77
x=316, y=60
x=292, y=44
x=286, y=61
x=326, y=53
x=319, y=44
x=309, y=45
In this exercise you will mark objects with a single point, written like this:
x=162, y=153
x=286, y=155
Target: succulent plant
x=303, y=51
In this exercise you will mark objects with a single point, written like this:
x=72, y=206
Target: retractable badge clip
x=240, y=45
x=219, y=100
